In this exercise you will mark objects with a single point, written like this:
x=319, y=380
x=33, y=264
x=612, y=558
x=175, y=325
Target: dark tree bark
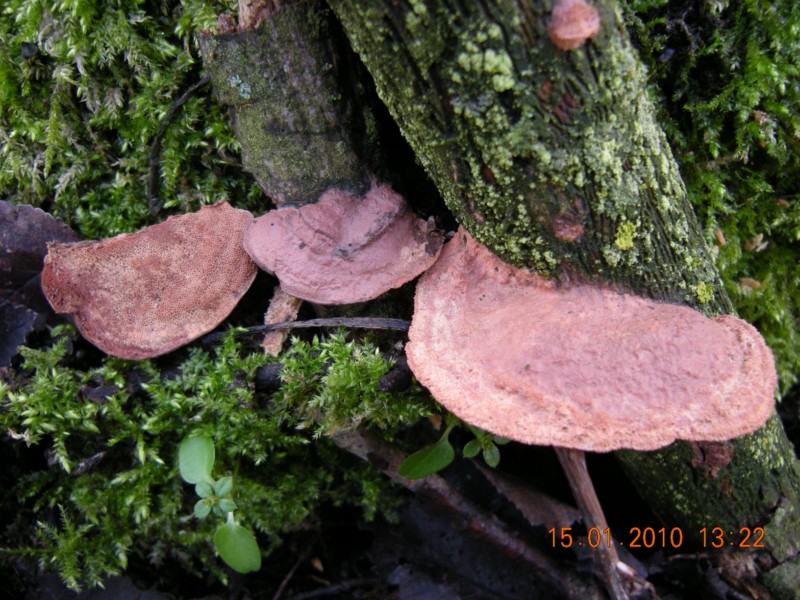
x=298, y=103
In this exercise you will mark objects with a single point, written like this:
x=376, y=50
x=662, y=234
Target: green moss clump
x=724, y=77
x=84, y=87
x=334, y=384
x=112, y=491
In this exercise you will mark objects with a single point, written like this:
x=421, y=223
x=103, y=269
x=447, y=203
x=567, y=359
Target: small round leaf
x=491, y=454
x=201, y=509
x=196, y=459
x=238, y=548
x=204, y=489
x=223, y=486
x=227, y=505
x=472, y=448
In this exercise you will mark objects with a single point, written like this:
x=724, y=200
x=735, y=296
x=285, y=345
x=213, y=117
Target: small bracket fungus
x=144, y=294
x=344, y=249
x=582, y=366
x=572, y=23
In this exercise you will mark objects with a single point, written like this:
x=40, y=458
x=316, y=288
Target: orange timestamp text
x=661, y=537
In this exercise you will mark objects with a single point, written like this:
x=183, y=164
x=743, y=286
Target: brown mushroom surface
x=344, y=249
x=144, y=294
x=582, y=366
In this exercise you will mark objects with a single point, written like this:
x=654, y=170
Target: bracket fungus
x=581, y=367
x=594, y=369
x=344, y=249
x=144, y=294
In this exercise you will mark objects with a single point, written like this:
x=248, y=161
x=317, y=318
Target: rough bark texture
x=555, y=161
x=296, y=103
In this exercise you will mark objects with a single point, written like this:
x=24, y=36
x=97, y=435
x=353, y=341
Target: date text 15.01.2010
x=651, y=537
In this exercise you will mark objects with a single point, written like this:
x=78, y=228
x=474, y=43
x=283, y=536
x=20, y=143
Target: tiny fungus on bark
x=581, y=367
x=344, y=249
x=144, y=294
x=572, y=23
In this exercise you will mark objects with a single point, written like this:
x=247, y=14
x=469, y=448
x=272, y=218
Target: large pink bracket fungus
x=344, y=249
x=581, y=366
x=144, y=294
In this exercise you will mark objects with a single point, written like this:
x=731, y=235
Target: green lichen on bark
x=680, y=492
x=301, y=128
x=528, y=144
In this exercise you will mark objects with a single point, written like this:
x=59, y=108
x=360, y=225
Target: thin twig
x=154, y=156
x=300, y=560
x=574, y=464
x=349, y=322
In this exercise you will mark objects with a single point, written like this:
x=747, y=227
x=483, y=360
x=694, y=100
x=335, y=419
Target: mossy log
x=297, y=102
x=555, y=161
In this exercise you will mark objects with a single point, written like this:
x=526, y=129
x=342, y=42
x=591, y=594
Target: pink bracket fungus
x=593, y=369
x=144, y=294
x=344, y=249
x=581, y=367
x=572, y=23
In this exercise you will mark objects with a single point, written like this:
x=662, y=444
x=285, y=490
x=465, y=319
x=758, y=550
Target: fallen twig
x=349, y=322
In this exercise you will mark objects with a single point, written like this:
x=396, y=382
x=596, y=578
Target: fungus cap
x=344, y=249
x=572, y=23
x=581, y=367
x=144, y=294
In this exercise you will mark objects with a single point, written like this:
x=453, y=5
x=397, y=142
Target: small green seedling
x=484, y=442
x=436, y=457
x=236, y=545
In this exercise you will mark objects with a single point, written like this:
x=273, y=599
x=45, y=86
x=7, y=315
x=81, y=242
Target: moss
x=113, y=491
x=721, y=80
x=78, y=112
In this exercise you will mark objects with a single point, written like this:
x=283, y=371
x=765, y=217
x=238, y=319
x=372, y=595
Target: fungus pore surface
x=144, y=294
x=582, y=367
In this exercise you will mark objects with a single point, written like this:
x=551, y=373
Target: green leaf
x=196, y=459
x=238, y=548
x=491, y=454
x=223, y=486
x=227, y=505
x=201, y=509
x=472, y=448
x=429, y=460
x=204, y=489
x=500, y=441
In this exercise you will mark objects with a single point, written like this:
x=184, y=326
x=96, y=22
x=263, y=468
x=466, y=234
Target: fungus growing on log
x=572, y=23
x=344, y=249
x=581, y=367
x=144, y=294
x=593, y=368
